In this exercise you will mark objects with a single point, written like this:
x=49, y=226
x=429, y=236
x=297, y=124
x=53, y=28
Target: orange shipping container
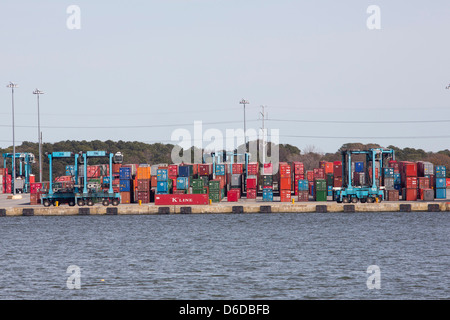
x=125, y=197
x=285, y=183
x=143, y=173
x=285, y=195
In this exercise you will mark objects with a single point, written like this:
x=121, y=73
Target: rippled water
x=226, y=256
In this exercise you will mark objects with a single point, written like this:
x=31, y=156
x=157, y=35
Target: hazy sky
x=168, y=63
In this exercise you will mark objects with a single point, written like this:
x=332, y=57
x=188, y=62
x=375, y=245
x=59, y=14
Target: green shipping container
x=214, y=185
x=320, y=185
x=330, y=179
x=214, y=197
x=197, y=183
x=198, y=191
x=320, y=195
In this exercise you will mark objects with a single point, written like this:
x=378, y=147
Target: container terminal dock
x=364, y=181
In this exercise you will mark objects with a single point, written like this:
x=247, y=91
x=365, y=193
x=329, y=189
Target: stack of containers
x=298, y=170
x=303, y=190
x=5, y=180
x=318, y=173
x=204, y=174
x=164, y=184
x=143, y=190
x=425, y=170
x=251, y=183
x=397, y=176
x=337, y=174
x=377, y=173
x=221, y=175
x=320, y=190
x=125, y=177
x=408, y=171
x=215, y=190
x=267, y=182
x=440, y=183
x=237, y=170
x=35, y=195
x=116, y=177
x=389, y=181
x=310, y=178
x=285, y=183
x=359, y=176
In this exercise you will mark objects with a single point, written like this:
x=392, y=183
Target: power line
x=361, y=122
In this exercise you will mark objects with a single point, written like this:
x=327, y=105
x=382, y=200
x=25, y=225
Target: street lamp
x=244, y=102
x=38, y=92
x=12, y=86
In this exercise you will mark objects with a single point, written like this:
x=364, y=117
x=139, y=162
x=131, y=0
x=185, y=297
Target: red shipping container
x=337, y=182
x=337, y=170
x=35, y=187
x=251, y=183
x=423, y=183
x=310, y=175
x=8, y=178
x=174, y=199
x=285, y=195
x=143, y=184
x=173, y=171
x=251, y=193
x=410, y=169
x=125, y=197
x=319, y=173
x=303, y=196
x=116, y=168
x=238, y=168
x=222, y=180
x=447, y=181
x=233, y=195
x=299, y=177
x=252, y=169
x=286, y=183
x=411, y=182
x=285, y=170
x=299, y=167
x=392, y=195
x=409, y=194
x=143, y=196
x=204, y=169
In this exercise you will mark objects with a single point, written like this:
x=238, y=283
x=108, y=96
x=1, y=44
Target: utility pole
x=12, y=86
x=263, y=116
x=244, y=102
x=38, y=92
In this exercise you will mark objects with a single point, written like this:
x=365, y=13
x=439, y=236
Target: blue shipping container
x=162, y=175
x=441, y=193
x=184, y=171
x=303, y=185
x=162, y=187
x=359, y=166
x=397, y=178
x=330, y=190
x=125, y=185
x=220, y=169
x=182, y=183
x=388, y=172
x=105, y=180
x=441, y=183
x=125, y=173
x=267, y=194
x=440, y=171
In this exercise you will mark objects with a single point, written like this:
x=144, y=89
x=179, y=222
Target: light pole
x=12, y=86
x=38, y=92
x=244, y=102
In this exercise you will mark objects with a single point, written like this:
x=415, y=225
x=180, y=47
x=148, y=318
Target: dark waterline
x=226, y=256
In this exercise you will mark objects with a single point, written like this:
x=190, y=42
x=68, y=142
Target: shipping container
x=252, y=168
x=359, y=166
x=423, y=183
x=125, y=197
x=220, y=169
x=440, y=183
x=303, y=185
x=319, y=173
x=143, y=173
x=409, y=194
x=185, y=170
x=285, y=195
x=233, y=195
x=182, y=183
x=426, y=194
x=204, y=169
x=285, y=183
x=392, y=195
x=125, y=185
x=267, y=169
x=298, y=167
x=237, y=168
x=310, y=175
x=162, y=175
x=143, y=184
x=181, y=199
x=251, y=193
x=303, y=196
x=424, y=168
x=441, y=193
x=337, y=170
x=285, y=170
x=267, y=194
x=125, y=173
x=388, y=172
x=440, y=171
x=320, y=195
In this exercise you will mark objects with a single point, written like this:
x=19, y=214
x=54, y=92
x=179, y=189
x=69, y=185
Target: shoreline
x=22, y=207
